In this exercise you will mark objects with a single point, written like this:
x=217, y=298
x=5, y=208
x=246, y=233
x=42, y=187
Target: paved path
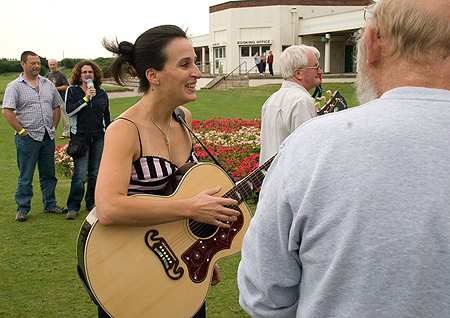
x=253, y=82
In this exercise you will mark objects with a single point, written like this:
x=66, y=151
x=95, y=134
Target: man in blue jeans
x=31, y=107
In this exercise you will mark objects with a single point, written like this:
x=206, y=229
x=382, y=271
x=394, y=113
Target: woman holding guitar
x=146, y=145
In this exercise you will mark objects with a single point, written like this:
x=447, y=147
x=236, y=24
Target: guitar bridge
x=165, y=254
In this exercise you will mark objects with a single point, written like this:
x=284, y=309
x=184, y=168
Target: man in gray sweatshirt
x=354, y=214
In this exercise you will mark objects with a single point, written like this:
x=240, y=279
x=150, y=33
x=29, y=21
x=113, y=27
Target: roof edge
x=263, y=3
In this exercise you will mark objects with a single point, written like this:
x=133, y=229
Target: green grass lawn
x=38, y=261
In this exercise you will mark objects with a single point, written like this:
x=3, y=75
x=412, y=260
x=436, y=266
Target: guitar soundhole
x=202, y=230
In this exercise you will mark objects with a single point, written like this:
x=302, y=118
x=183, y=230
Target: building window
x=245, y=51
x=265, y=48
x=219, y=52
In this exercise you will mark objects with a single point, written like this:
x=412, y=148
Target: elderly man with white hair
x=59, y=79
x=291, y=105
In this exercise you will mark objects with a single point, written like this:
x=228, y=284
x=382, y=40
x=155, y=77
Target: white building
x=239, y=29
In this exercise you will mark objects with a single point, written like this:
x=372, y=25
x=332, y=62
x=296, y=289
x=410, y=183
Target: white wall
x=275, y=24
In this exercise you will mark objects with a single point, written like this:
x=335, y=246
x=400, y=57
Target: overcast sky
x=75, y=28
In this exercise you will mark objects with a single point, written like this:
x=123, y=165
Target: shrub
x=7, y=66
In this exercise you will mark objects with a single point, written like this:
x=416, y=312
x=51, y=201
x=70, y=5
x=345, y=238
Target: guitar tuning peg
x=323, y=99
x=317, y=105
x=329, y=93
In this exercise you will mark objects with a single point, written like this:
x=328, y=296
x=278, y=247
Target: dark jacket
x=93, y=116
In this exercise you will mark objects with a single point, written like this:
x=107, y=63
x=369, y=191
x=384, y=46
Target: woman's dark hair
x=147, y=52
x=76, y=73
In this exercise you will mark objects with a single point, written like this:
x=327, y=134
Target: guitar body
x=163, y=270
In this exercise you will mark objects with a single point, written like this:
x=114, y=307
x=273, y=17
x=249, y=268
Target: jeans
x=85, y=167
x=29, y=153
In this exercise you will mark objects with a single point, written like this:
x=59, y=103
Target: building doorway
x=248, y=53
x=349, y=63
x=220, y=61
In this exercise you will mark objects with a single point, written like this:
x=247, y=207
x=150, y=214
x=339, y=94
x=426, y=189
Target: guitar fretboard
x=249, y=184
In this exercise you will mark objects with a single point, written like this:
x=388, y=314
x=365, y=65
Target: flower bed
x=63, y=162
x=234, y=142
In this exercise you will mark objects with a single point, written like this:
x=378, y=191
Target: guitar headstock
x=334, y=104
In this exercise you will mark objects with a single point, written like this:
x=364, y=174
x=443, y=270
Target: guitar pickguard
x=165, y=254
x=199, y=255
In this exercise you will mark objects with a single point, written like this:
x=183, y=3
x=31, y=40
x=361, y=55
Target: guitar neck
x=249, y=184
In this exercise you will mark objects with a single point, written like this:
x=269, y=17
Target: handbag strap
x=180, y=117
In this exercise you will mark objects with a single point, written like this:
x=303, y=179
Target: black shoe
x=89, y=208
x=21, y=216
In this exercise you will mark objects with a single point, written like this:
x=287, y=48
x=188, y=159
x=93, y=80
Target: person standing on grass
x=88, y=107
x=291, y=105
x=145, y=145
x=31, y=107
x=59, y=79
x=354, y=214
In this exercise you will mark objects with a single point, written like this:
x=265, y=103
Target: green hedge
x=7, y=66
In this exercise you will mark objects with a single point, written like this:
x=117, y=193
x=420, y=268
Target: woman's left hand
x=216, y=275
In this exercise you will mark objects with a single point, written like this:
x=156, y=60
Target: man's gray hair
x=295, y=57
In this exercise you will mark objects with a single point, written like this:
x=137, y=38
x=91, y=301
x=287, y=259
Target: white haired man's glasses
x=317, y=68
x=366, y=18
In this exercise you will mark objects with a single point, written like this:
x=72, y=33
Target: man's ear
x=152, y=76
x=373, y=48
x=298, y=74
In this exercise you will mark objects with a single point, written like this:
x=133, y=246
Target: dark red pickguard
x=198, y=257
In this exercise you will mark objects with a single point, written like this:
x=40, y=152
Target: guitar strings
x=242, y=189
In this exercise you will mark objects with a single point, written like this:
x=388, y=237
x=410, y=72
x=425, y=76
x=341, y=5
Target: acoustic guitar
x=163, y=270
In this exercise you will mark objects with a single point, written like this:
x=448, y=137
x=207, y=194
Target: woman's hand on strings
x=206, y=208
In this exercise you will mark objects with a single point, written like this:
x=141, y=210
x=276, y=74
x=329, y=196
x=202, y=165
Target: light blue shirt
x=33, y=108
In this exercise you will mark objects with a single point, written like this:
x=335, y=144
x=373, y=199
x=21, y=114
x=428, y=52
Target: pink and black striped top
x=152, y=175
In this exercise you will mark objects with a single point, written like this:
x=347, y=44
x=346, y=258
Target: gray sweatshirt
x=354, y=215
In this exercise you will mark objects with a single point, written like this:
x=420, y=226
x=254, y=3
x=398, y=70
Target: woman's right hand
x=205, y=208
x=90, y=92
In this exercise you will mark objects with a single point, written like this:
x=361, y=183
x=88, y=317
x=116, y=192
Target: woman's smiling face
x=179, y=76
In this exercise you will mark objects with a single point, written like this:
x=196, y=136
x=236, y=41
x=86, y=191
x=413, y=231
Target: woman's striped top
x=154, y=175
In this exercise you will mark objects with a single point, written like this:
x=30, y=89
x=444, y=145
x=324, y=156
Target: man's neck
x=297, y=81
x=33, y=80
x=29, y=77
x=402, y=74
